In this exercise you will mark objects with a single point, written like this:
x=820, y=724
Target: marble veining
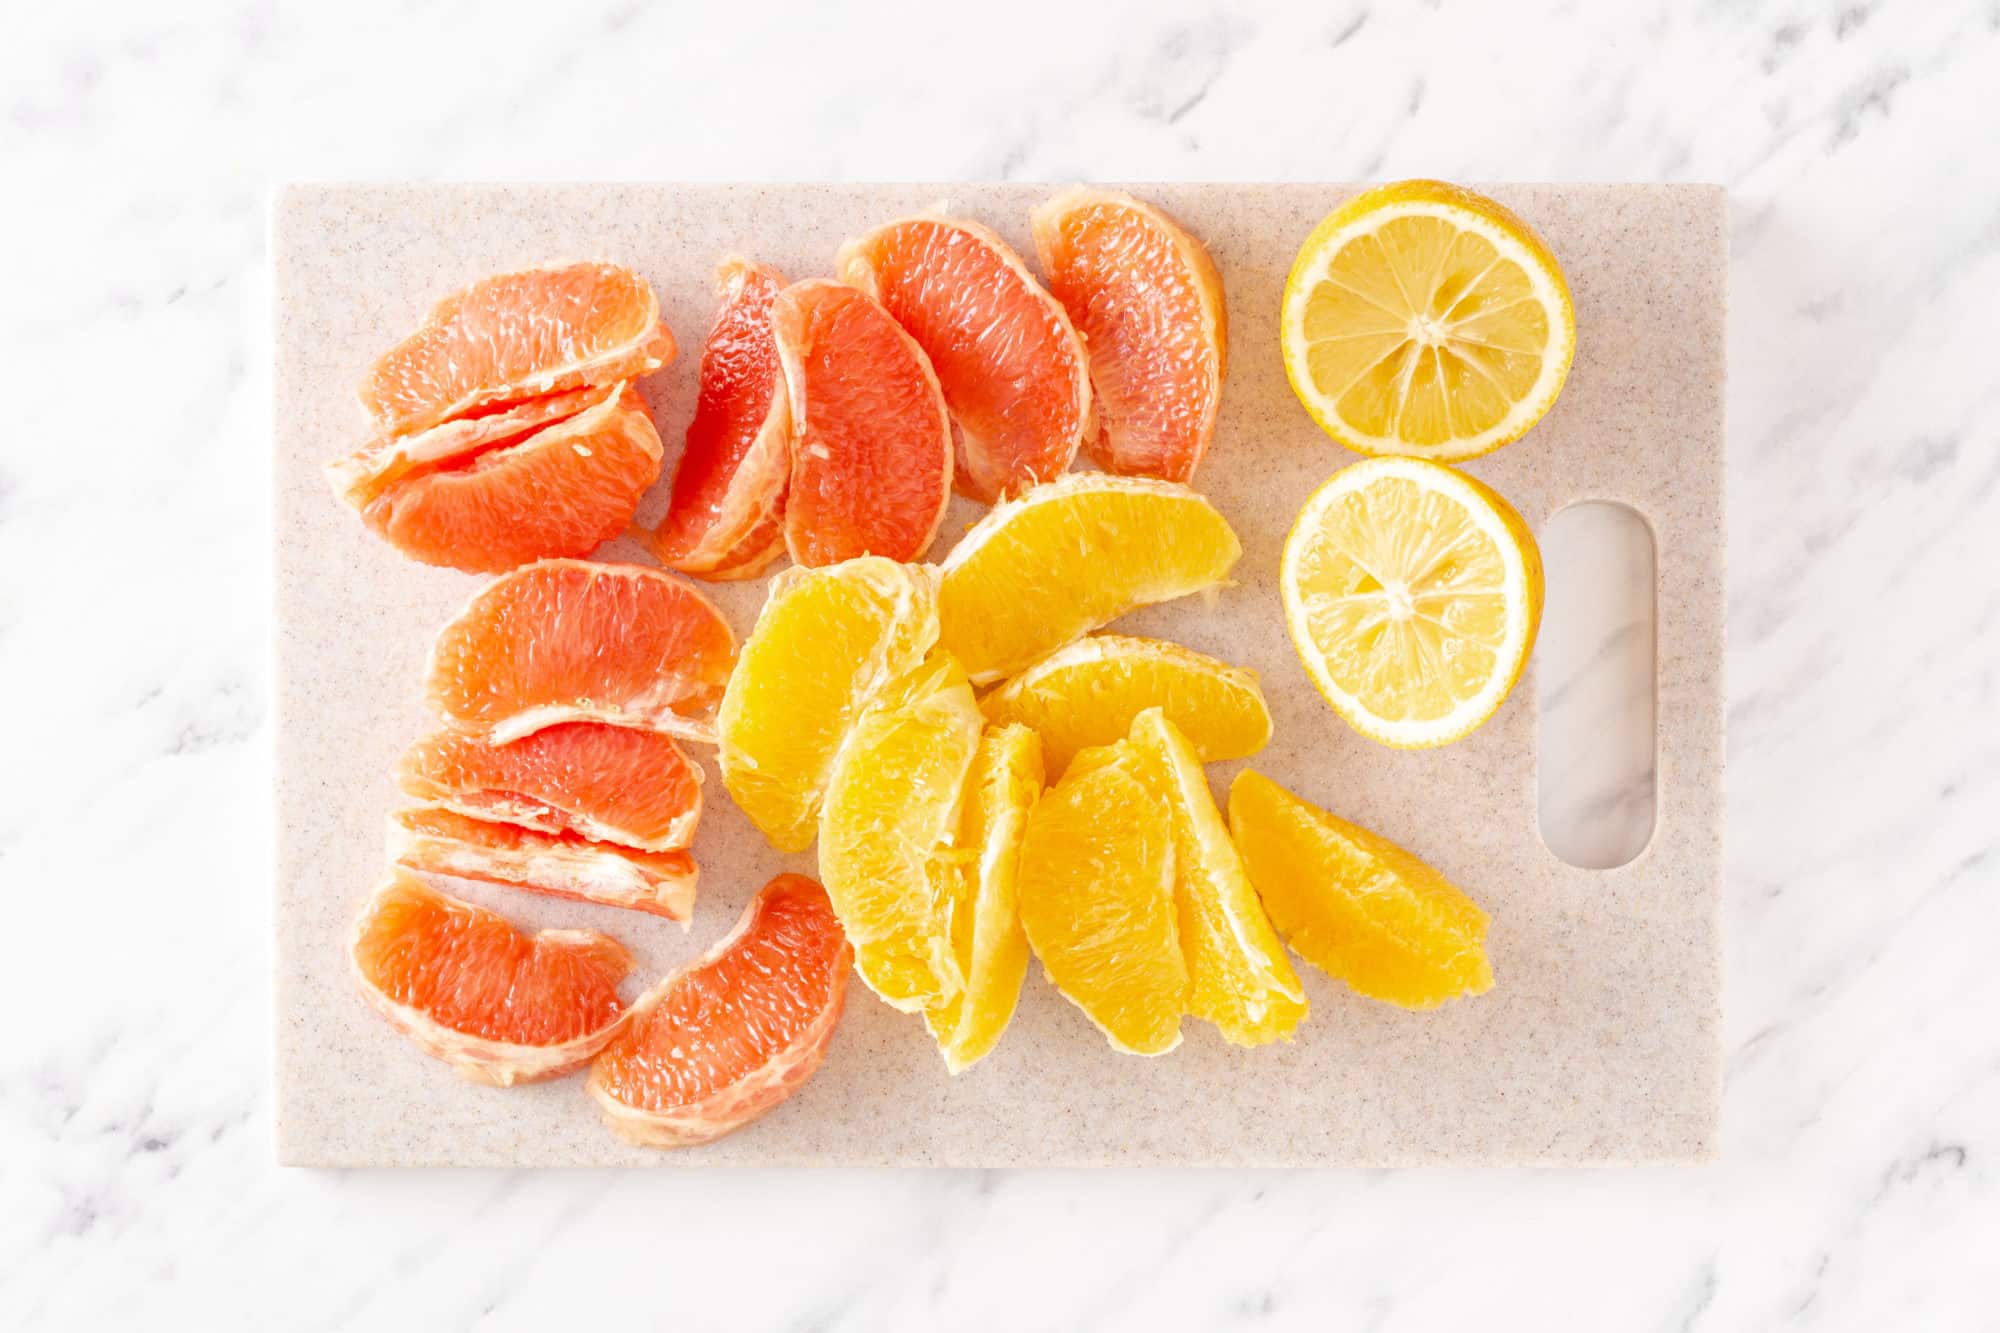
x=1857, y=1187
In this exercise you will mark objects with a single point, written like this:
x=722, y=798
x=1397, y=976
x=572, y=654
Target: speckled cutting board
x=1598, y=1042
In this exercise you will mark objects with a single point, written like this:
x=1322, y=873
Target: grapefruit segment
x=726, y=517
x=568, y=641
x=497, y=1005
x=726, y=1038
x=871, y=439
x=515, y=336
x=1012, y=369
x=433, y=840
x=364, y=474
x=558, y=489
x=1148, y=301
x=622, y=785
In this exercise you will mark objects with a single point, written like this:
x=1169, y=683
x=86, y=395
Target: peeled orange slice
x=1090, y=692
x=824, y=645
x=1012, y=369
x=433, y=840
x=1240, y=978
x=611, y=784
x=982, y=896
x=871, y=440
x=1065, y=558
x=726, y=517
x=891, y=813
x=570, y=641
x=1097, y=900
x=499, y=1006
x=516, y=336
x=1356, y=905
x=1413, y=594
x=726, y=1038
x=1425, y=320
x=1148, y=301
x=529, y=488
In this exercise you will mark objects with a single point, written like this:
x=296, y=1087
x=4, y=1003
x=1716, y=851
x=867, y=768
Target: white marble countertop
x=1858, y=1185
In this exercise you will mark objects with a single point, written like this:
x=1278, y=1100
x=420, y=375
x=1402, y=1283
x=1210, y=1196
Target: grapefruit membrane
x=433, y=840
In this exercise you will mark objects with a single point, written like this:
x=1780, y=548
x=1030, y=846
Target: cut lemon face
x=1089, y=693
x=827, y=641
x=983, y=899
x=1240, y=979
x=1425, y=320
x=891, y=814
x=1413, y=594
x=1097, y=900
x=1067, y=557
x=1354, y=904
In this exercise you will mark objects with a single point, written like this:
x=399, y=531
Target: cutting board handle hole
x=1596, y=690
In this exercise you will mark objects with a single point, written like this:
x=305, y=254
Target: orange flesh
x=761, y=1008
x=562, y=490
x=562, y=865
x=1010, y=364
x=623, y=785
x=470, y=970
x=573, y=640
x=871, y=443
x=726, y=517
x=515, y=336
x=1134, y=285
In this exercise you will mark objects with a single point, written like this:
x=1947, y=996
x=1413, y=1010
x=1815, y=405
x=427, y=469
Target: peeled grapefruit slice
x=871, y=440
x=364, y=474
x=499, y=1006
x=726, y=518
x=434, y=840
x=1012, y=368
x=515, y=336
x=570, y=641
x=613, y=784
x=726, y=1038
x=531, y=488
x=1148, y=301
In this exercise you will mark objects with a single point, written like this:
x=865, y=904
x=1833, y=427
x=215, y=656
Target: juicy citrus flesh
x=1090, y=692
x=871, y=438
x=980, y=887
x=1097, y=900
x=1148, y=302
x=825, y=644
x=364, y=474
x=891, y=812
x=562, y=489
x=1065, y=558
x=1413, y=594
x=725, y=1039
x=622, y=785
x=1012, y=368
x=515, y=336
x=571, y=640
x=1426, y=320
x=1354, y=904
x=1240, y=979
x=433, y=840
x=726, y=515
x=499, y=1005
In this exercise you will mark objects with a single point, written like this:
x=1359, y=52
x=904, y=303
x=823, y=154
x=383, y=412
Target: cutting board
x=1598, y=1042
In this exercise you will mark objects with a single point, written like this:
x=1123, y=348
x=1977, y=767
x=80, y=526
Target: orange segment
x=560, y=489
x=1012, y=368
x=610, y=784
x=1148, y=301
x=515, y=336
x=499, y=1006
x=569, y=641
x=433, y=840
x=871, y=440
x=726, y=517
x=726, y=1038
